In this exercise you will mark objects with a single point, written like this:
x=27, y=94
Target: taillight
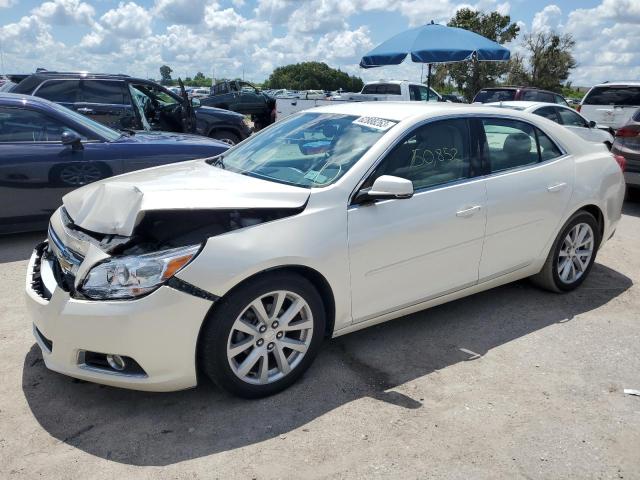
x=578, y=108
x=629, y=131
x=622, y=162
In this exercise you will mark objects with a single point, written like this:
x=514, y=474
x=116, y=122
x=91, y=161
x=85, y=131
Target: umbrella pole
x=428, y=82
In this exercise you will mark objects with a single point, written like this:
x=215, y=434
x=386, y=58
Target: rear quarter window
x=624, y=96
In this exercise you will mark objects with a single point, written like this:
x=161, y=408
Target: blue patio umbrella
x=433, y=43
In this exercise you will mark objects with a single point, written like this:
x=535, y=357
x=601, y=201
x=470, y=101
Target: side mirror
x=386, y=187
x=592, y=124
x=195, y=102
x=71, y=138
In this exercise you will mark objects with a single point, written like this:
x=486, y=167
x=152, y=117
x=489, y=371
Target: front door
x=528, y=191
x=406, y=251
x=107, y=102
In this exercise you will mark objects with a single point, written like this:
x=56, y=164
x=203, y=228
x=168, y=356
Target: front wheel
x=263, y=336
x=572, y=255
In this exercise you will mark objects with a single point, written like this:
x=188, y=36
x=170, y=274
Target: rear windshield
x=382, y=89
x=625, y=96
x=495, y=95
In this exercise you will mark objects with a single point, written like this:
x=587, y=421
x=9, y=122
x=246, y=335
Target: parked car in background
x=244, y=98
x=452, y=97
x=47, y=150
x=124, y=102
x=328, y=222
x=395, y=91
x=565, y=116
x=199, y=93
x=627, y=144
x=506, y=94
x=611, y=104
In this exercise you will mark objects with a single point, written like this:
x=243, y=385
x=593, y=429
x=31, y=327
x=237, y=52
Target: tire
x=225, y=136
x=227, y=352
x=553, y=276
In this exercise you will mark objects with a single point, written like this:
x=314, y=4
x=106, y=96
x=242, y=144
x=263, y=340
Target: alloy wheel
x=80, y=174
x=575, y=253
x=270, y=337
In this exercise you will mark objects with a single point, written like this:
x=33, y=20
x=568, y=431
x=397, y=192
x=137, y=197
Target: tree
x=165, y=74
x=312, y=76
x=471, y=76
x=517, y=74
x=551, y=59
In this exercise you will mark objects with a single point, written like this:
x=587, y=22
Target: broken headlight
x=135, y=275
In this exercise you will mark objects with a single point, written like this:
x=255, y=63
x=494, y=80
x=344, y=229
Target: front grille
x=37, y=284
x=65, y=262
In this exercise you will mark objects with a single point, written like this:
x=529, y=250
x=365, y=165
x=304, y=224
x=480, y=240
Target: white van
x=611, y=104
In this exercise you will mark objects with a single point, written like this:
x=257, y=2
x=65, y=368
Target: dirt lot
x=510, y=383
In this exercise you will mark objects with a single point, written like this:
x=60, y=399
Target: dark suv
x=508, y=94
x=245, y=98
x=124, y=103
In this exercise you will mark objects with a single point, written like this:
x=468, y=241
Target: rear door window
x=495, y=95
x=59, y=91
x=623, y=96
x=548, y=112
x=103, y=91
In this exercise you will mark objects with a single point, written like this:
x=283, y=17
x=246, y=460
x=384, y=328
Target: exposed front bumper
x=159, y=331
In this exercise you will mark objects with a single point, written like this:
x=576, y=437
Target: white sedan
x=565, y=116
x=332, y=220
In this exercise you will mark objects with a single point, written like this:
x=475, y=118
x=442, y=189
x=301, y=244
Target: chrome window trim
x=420, y=124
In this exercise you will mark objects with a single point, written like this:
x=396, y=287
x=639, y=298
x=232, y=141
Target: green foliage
x=312, y=76
x=551, y=59
x=471, y=76
x=165, y=74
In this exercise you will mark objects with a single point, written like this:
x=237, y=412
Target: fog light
x=116, y=362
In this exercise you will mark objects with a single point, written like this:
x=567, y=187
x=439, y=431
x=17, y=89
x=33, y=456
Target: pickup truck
x=245, y=98
x=382, y=91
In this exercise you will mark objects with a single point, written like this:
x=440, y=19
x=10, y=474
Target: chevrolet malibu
x=332, y=220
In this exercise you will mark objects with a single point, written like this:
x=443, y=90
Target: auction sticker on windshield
x=374, y=122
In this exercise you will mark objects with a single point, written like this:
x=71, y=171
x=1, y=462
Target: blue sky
x=229, y=37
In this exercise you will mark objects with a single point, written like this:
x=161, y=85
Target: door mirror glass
x=592, y=124
x=70, y=138
x=387, y=187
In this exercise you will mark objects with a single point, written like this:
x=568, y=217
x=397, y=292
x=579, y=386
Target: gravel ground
x=510, y=383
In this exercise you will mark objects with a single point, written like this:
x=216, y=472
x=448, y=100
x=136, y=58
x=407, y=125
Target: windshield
x=102, y=130
x=495, y=95
x=306, y=150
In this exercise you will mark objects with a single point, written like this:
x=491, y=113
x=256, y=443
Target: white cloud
x=186, y=12
x=547, y=20
x=129, y=20
x=65, y=12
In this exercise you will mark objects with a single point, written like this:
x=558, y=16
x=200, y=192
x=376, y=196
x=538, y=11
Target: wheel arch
x=597, y=213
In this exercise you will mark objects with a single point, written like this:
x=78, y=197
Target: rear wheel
x=263, y=336
x=572, y=255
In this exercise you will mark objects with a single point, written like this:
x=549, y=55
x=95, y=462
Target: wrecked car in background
x=244, y=98
x=128, y=103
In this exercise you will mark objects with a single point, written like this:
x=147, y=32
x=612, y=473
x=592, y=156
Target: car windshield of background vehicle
x=624, y=96
x=307, y=150
x=487, y=96
x=98, y=128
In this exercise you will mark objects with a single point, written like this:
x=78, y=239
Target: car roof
x=18, y=99
x=399, y=111
x=525, y=105
x=618, y=84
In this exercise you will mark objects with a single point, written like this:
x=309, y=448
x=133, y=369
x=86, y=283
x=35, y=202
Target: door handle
x=85, y=110
x=557, y=187
x=467, y=212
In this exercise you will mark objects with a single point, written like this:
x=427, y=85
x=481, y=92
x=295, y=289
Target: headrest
x=517, y=144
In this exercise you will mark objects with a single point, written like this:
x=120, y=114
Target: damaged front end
x=95, y=266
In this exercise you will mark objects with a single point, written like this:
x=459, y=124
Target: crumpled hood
x=117, y=205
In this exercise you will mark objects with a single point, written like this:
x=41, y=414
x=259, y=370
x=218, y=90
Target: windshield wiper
x=217, y=161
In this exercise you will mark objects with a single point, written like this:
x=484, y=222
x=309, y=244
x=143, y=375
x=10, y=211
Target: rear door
x=107, y=102
x=611, y=106
x=528, y=190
